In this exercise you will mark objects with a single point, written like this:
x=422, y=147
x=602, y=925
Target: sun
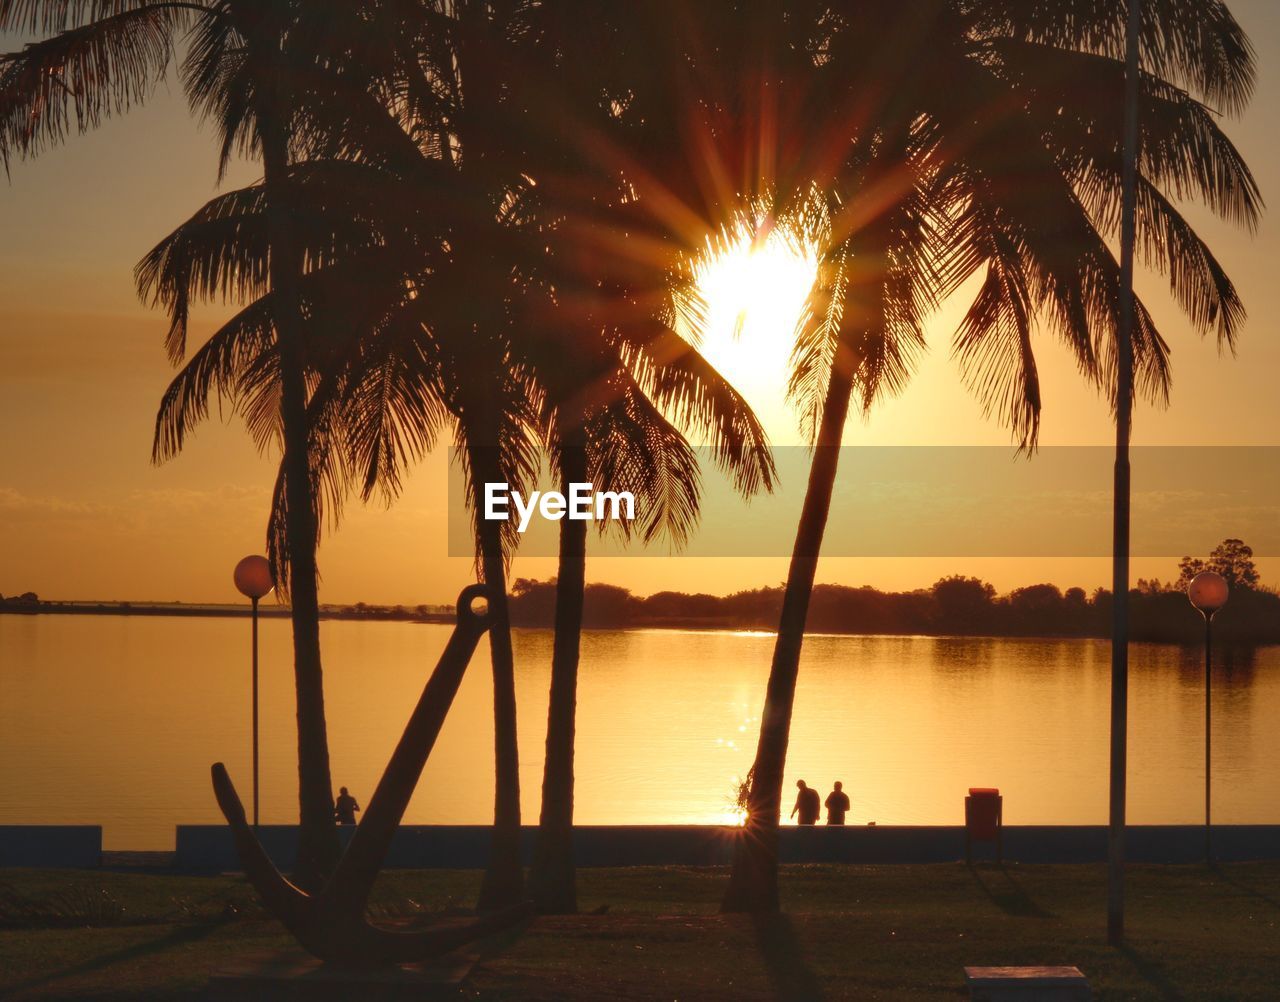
x=754, y=281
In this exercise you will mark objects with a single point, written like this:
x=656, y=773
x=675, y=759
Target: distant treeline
x=29, y=603
x=953, y=606
x=956, y=605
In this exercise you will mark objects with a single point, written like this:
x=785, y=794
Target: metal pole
x=255, y=712
x=1208, y=661
x=1120, y=528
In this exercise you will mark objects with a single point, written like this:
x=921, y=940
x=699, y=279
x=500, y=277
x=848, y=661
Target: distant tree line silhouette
x=954, y=605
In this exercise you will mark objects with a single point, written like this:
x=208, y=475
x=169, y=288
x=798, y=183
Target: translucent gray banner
x=948, y=501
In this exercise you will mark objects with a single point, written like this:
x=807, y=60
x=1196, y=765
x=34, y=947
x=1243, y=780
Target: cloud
x=13, y=501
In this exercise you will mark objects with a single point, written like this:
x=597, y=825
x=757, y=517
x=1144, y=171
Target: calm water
x=114, y=721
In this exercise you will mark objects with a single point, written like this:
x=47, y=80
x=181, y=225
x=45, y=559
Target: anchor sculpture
x=331, y=924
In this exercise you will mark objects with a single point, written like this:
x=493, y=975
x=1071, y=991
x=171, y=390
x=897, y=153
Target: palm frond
x=223, y=250
x=216, y=370
x=993, y=346
x=1199, y=45
x=105, y=64
x=632, y=447
x=1183, y=149
x=683, y=384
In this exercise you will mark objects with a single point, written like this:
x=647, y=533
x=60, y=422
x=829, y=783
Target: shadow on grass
x=1152, y=973
x=1006, y=893
x=783, y=960
x=175, y=937
x=1227, y=878
x=500, y=942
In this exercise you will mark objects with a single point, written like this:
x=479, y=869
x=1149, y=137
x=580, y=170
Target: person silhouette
x=837, y=805
x=807, y=804
x=345, y=807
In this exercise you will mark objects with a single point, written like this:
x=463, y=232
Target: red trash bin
x=983, y=819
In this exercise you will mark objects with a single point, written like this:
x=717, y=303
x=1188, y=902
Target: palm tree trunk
x=553, y=878
x=753, y=883
x=503, y=883
x=318, y=848
x=1120, y=495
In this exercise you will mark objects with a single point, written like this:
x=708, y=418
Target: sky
x=84, y=514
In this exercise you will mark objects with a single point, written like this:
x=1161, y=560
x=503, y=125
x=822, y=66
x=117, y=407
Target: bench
x=1027, y=984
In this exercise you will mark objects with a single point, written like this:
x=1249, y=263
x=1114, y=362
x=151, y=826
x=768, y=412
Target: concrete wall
x=209, y=847
x=50, y=845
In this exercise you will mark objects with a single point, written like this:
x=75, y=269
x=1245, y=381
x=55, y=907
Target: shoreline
x=182, y=609
x=438, y=616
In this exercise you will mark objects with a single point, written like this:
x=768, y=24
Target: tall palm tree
x=619, y=387
x=408, y=199
x=498, y=104
x=447, y=347
x=431, y=346
x=604, y=375
x=1120, y=490
x=608, y=389
x=243, y=68
x=453, y=104
x=390, y=363
x=989, y=145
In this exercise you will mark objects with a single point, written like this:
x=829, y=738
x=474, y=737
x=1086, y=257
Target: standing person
x=807, y=804
x=837, y=805
x=345, y=807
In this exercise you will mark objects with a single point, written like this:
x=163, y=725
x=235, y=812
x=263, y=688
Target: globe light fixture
x=253, y=579
x=1208, y=592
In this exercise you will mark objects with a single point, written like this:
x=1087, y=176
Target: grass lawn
x=856, y=932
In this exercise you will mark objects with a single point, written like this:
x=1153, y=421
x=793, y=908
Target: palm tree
x=1120, y=498
x=495, y=445
x=246, y=66
x=387, y=203
x=598, y=385
x=602, y=376
x=619, y=388
x=989, y=144
x=391, y=367
x=454, y=106
x=608, y=389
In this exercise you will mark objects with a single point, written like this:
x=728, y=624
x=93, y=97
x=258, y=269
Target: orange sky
x=83, y=513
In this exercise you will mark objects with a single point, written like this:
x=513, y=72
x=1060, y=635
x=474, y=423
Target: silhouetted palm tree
x=607, y=391
x=603, y=368
x=985, y=138
x=397, y=354
x=247, y=67
x=618, y=385
x=417, y=324
x=407, y=291
x=447, y=99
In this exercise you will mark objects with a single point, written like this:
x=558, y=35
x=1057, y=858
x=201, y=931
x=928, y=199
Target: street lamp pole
x=254, y=579
x=255, y=710
x=1208, y=592
x=1208, y=726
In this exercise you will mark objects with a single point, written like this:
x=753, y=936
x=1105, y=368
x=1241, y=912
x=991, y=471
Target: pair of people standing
x=808, y=805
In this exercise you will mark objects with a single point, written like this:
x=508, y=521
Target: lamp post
x=254, y=579
x=1208, y=592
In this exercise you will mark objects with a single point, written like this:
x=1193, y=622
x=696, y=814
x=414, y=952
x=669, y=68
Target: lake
x=114, y=720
